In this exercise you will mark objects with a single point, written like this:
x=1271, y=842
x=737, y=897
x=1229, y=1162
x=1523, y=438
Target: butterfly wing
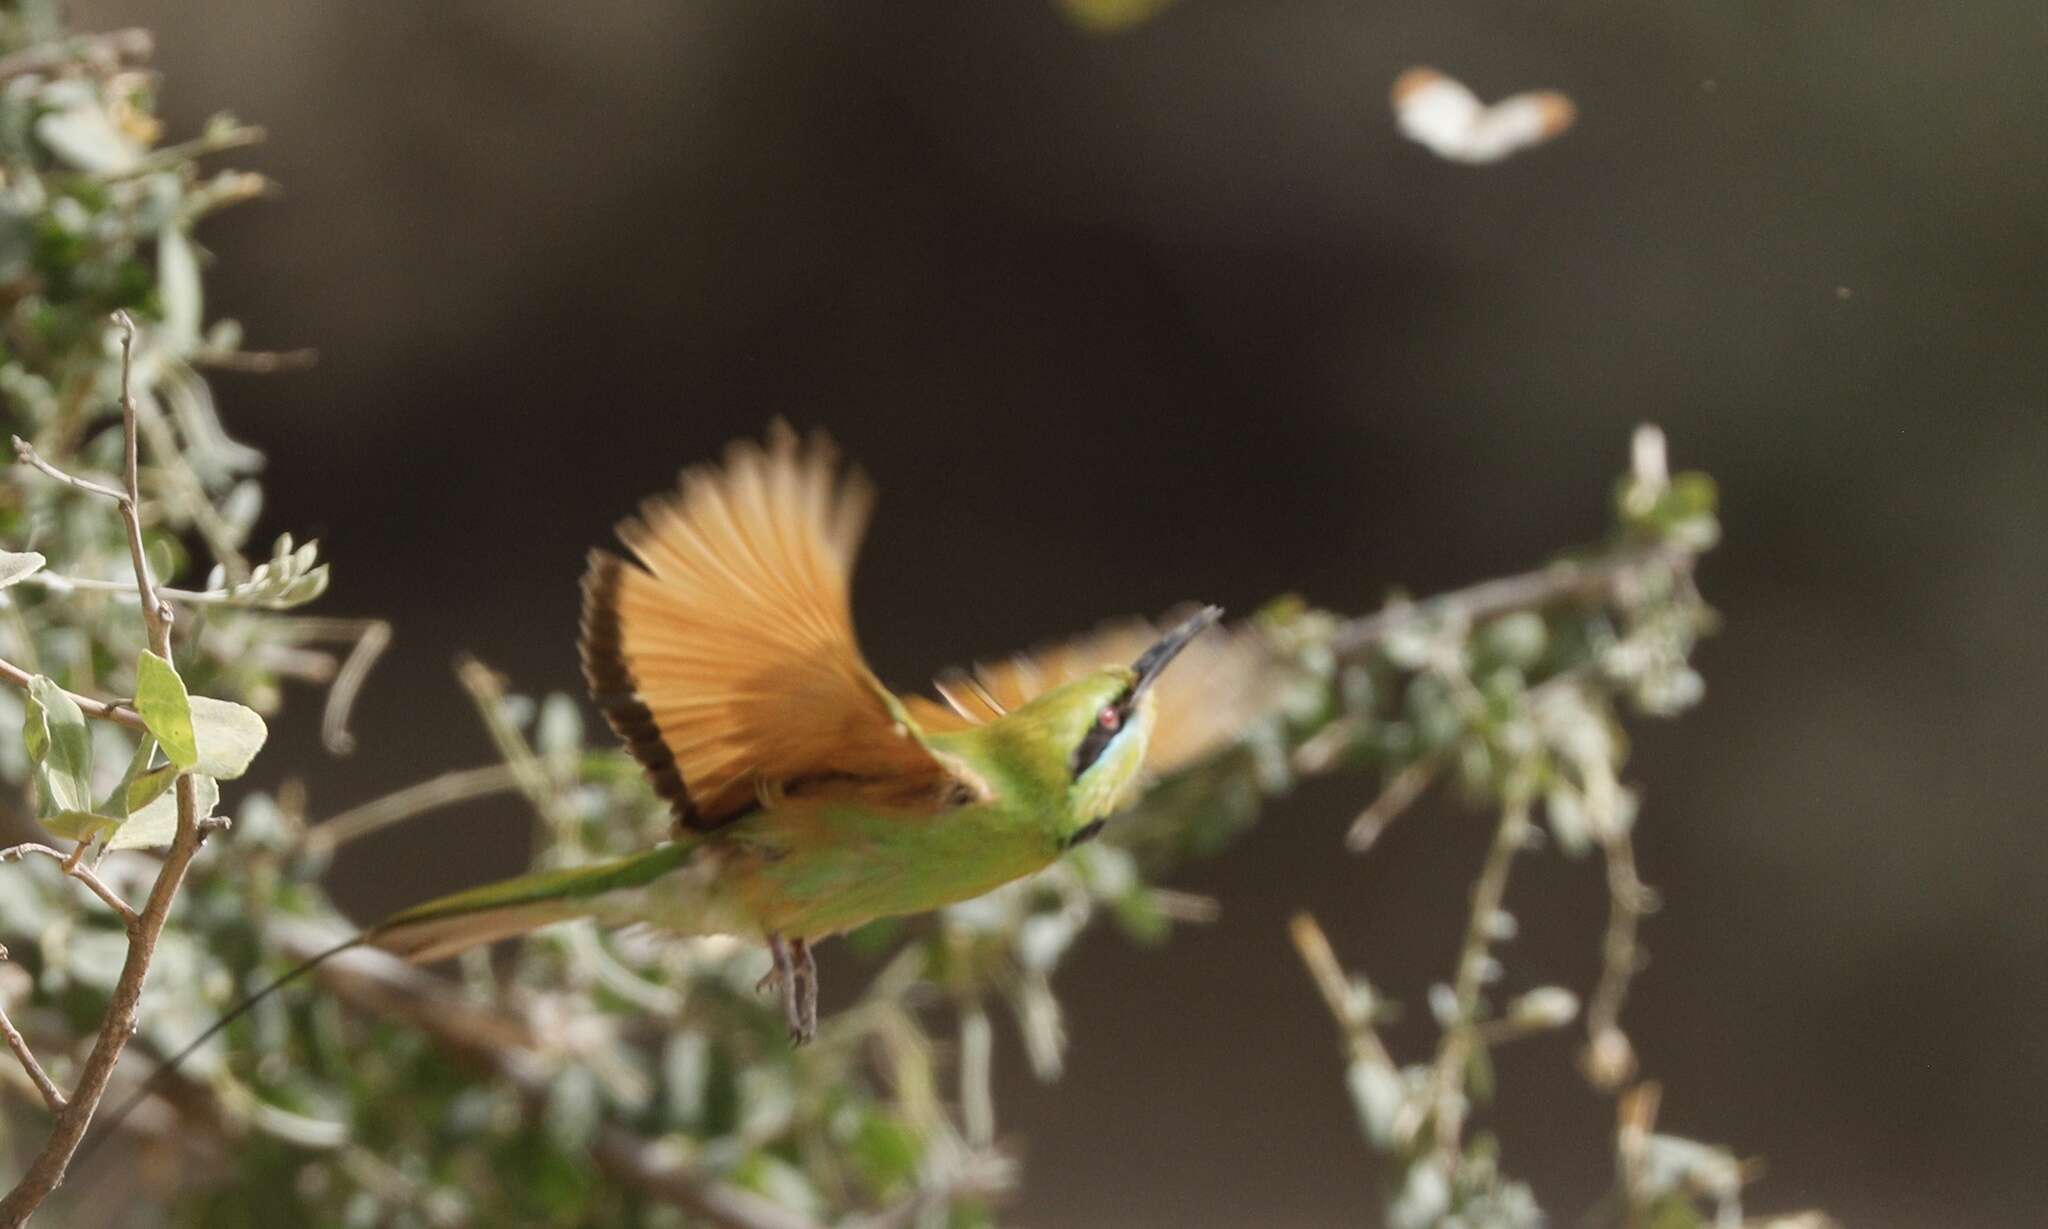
x=723, y=651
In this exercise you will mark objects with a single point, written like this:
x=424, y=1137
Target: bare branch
x=1455, y=1048
x=27, y=454
x=47, y=1171
x=445, y=790
x=258, y=361
x=367, y=639
x=1566, y=581
x=1401, y=793
x=156, y=614
x=1350, y=1002
x=105, y=710
x=36, y=1075
x=57, y=582
x=1609, y=1059
x=81, y=872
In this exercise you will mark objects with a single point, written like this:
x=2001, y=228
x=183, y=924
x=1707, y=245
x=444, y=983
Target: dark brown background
x=1176, y=315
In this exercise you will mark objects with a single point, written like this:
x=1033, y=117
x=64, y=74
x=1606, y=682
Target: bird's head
x=1099, y=725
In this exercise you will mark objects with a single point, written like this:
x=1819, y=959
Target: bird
x=808, y=799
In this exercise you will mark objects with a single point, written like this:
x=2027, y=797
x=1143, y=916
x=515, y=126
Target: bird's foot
x=794, y=976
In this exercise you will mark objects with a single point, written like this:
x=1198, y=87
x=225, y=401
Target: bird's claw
x=795, y=975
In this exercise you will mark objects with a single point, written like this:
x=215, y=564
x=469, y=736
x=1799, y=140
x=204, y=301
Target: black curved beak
x=1155, y=659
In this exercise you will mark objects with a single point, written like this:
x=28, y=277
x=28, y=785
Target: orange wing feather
x=725, y=657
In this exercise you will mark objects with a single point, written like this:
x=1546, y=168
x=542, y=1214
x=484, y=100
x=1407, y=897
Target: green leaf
x=166, y=709
x=154, y=826
x=229, y=736
x=120, y=800
x=147, y=787
x=16, y=566
x=78, y=825
x=60, y=748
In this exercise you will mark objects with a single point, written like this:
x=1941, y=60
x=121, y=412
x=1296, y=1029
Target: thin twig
x=1454, y=1051
x=105, y=710
x=445, y=790
x=47, y=1171
x=81, y=872
x=157, y=616
x=367, y=639
x=181, y=489
x=1589, y=581
x=1401, y=793
x=1350, y=1003
x=1635, y=1120
x=167, y=156
x=977, y=1099
x=1609, y=1059
x=27, y=454
x=57, y=582
x=257, y=361
x=486, y=690
x=36, y=1075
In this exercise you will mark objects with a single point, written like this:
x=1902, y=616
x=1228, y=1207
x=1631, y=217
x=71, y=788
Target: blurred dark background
x=1176, y=314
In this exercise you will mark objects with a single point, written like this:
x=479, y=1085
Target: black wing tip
x=617, y=693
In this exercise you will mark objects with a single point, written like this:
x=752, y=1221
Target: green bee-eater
x=809, y=800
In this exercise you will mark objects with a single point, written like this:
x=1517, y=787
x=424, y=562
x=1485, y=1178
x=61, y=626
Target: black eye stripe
x=1097, y=740
x=1087, y=832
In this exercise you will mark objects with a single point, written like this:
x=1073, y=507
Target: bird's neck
x=1029, y=787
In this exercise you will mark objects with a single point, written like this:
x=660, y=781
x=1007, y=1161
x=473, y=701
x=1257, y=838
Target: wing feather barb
x=723, y=651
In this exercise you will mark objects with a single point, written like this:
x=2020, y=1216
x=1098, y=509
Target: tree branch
x=1350, y=1002
x=47, y=1171
x=105, y=710
x=1594, y=580
x=447, y=789
x=1455, y=1050
x=56, y=582
x=81, y=872
x=1609, y=1059
x=36, y=1075
x=26, y=453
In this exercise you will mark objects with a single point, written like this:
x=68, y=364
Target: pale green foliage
x=166, y=709
x=324, y=1106
x=17, y=566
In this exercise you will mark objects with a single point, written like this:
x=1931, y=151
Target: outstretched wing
x=725, y=655
x=1219, y=685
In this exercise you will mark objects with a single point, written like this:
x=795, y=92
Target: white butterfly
x=1452, y=123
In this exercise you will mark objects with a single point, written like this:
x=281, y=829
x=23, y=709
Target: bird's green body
x=808, y=866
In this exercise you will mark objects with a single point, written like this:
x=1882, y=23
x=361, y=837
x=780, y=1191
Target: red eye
x=1109, y=719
